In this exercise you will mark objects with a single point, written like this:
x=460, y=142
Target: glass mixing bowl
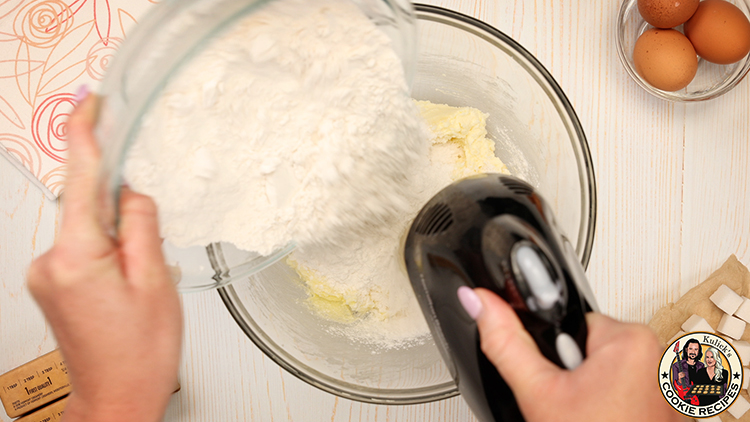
x=460, y=62
x=162, y=43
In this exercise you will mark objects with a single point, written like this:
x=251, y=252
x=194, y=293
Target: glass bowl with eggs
x=195, y=95
x=687, y=50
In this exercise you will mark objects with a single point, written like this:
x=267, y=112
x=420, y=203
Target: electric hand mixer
x=496, y=232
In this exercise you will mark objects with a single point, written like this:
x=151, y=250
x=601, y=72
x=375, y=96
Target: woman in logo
x=712, y=374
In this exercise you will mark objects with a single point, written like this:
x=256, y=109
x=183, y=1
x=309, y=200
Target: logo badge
x=700, y=375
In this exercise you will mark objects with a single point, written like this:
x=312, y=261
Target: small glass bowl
x=163, y=42
x=711, y=80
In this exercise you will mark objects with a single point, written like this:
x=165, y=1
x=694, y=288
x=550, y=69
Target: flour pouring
x=295, y=125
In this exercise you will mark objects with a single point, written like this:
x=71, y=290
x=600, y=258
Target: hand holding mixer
x=496, y=232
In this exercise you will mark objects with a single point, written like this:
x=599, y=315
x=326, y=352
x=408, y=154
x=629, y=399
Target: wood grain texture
x=28, y=222
x=673, y=185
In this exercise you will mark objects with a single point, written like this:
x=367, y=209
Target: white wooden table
x=673, y=186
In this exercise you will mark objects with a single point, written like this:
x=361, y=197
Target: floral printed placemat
x=48, y=49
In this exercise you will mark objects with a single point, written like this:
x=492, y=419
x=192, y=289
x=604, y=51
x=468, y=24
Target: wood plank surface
x=673, y=185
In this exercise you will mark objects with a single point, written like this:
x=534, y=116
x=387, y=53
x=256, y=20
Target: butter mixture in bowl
x=343, y=317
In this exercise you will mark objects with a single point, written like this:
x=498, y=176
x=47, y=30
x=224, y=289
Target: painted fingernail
x=470, y=301
x=82, y=93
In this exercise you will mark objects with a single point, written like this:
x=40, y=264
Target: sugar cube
x=743, y=312
x=696, y=323
x=731, y=326
x=745, y=378
x=743, y=349
x=726, y=299
x=739, y=407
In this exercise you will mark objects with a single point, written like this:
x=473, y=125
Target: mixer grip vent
x=438, y=218
x=517, y=186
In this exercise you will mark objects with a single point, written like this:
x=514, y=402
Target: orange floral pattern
x=48, y=49
x=99, y=56
x=42, y=23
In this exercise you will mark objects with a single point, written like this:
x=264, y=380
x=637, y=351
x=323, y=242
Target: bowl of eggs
x=685, y=50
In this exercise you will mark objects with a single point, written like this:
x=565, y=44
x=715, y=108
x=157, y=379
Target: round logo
x=700, y=375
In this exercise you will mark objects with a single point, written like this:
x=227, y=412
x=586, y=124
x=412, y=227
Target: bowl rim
x=721, y=89
x=584, y=247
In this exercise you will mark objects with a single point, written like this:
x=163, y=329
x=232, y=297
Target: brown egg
x=665, y=59
x=719, y=31
x=667, y=13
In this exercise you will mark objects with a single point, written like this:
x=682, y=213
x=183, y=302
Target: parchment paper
x=667, y=320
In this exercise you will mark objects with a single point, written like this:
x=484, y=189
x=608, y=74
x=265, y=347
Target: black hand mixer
x=494, y=231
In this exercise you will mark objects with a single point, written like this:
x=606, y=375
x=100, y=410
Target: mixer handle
x=523, y=267
x=527, y=273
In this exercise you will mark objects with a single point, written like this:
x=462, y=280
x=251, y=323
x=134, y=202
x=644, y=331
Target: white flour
x=295, y=125
x=362, y=283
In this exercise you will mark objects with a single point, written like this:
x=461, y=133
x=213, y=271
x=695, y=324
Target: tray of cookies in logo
x=706, y=389
x=705, y=369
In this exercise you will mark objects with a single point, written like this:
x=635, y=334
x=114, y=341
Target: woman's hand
x=616, y=382
x=111, y=303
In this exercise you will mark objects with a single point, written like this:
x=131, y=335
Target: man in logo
x=685, y=371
